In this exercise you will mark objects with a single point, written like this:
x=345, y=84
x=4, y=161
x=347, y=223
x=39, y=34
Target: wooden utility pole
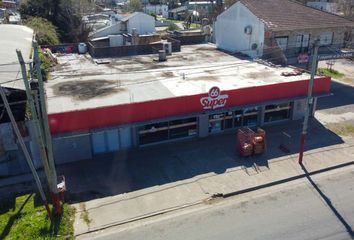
x=25, y=151
x=46, y=131
x=309, y=100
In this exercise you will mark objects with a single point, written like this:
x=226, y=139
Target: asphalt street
x=317, y=207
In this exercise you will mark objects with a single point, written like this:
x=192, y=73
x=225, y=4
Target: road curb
x=226, y=195
x=223, y=195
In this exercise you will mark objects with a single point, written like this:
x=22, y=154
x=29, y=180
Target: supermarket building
x=117, y=104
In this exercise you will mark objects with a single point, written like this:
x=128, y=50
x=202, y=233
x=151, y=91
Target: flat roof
x=13, y=37
x=79, y=83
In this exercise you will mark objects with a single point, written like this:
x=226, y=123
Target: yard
x=26, y=218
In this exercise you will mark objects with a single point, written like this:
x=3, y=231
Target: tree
x=346, y=7
x=45, y=31
x=229, y=3
x=134, y=5
x=65, y=15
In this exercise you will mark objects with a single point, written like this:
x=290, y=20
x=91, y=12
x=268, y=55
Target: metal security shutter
x=112, y=140
x=98, y=142
x=125, y=138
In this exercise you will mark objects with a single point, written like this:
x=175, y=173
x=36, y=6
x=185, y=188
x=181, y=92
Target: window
x=326, y=38
x=302, y=42
x=282, y=42
x=277, y=112
x=183, y=128
x=162, y=131
x=153, y=133
x=250, y=117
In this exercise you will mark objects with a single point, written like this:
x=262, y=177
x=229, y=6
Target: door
x=125, y=137
x=112, y=140
x=98, y=142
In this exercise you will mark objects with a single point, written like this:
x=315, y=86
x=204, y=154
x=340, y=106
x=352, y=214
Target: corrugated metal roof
x=280, y=15
x=13, y=37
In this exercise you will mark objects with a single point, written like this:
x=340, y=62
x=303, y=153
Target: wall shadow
x=343, y=95
x=116, y=173
x=329, y=203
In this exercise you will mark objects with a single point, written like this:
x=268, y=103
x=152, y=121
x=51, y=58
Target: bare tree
x=346, y=7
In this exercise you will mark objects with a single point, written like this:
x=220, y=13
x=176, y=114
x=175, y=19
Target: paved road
x=319, y=207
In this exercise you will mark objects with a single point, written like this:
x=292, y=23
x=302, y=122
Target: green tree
x=135, y=5
x=46, y=33
x=229, y=3
x=65, y=15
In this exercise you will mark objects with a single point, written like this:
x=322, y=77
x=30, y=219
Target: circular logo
x=214, y=92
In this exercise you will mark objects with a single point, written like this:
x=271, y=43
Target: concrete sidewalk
x=112, y=211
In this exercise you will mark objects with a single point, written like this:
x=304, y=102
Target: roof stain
x=85, y=90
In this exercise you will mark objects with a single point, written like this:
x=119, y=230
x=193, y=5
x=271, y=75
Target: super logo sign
x=214, y=99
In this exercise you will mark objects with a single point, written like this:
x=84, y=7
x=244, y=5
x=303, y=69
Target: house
x=324, y=5
x=178, y=13
x=142, y=24
x=158, y=9
x=11, y=157
x=279, y=30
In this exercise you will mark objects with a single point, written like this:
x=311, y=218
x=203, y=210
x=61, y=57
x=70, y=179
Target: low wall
x=129, y=50
x=63, y=48
x=188, y=40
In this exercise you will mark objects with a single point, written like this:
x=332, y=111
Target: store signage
x=336, y=56
x=214, y=99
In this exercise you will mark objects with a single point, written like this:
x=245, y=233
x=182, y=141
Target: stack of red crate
x=259, y=141
x=244, y=139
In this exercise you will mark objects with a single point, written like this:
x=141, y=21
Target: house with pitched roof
x=282, y=31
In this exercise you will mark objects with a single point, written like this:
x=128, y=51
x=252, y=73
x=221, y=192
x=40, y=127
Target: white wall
x=230, y=35
x=143, y=23
x=156, y=9
x=324, y=6
x=110, y=30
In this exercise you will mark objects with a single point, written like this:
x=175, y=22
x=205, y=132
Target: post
x=309, y=101
x=38, y=129
x=25, y=151
x=47, y=135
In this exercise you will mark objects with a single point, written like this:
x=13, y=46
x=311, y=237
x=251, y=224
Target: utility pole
x=309, y=100
x=46, y=130
x=25, y=151
x=39, y=130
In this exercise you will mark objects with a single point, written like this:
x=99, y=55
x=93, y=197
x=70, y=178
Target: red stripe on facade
x=143, y=111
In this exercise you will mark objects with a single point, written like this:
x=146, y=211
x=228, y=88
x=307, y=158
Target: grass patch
x=331, y=72
x=84, y=214
x=343, y=128
x=26, y=218
x=195, y=25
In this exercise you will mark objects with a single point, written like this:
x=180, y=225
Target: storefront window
x=216, y=122
x=183, y=128
x=228, y=120
x=163, y=131
x=156, y=132
x=238, y=118
x=277, y=112
x=250, y=117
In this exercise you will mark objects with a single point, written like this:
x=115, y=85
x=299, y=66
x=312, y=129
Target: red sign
x=303, y=58
x=162, y=108
x=214, y=99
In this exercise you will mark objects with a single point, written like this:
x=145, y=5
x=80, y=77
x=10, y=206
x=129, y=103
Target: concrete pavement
x=113, y=211
x=315, y=207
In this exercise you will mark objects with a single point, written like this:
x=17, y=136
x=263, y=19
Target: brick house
x=280, y=30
